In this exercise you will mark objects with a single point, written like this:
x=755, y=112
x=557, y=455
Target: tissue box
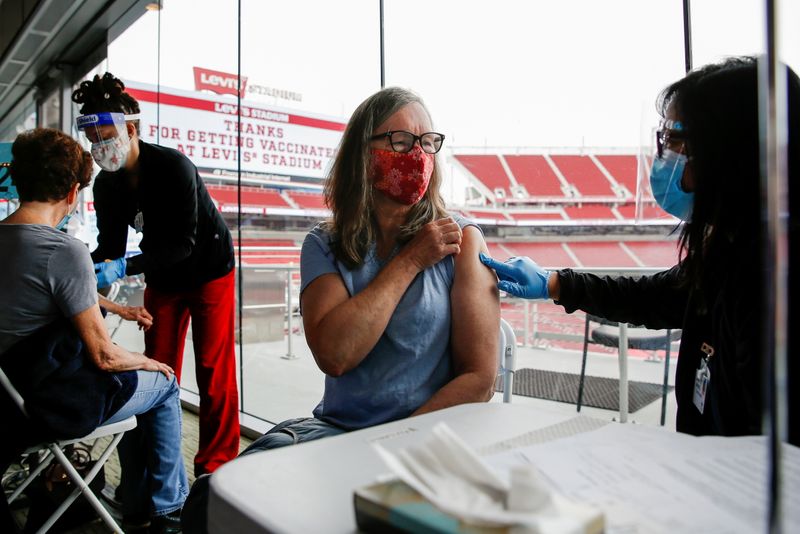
x=395, y=507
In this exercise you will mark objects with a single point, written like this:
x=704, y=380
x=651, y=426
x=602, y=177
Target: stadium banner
x=205, y=127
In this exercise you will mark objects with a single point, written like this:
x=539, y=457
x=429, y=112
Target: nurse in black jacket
x=187, y=254
x=706, y=173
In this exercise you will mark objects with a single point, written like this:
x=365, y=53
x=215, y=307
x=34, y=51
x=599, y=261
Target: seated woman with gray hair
x=398, y=311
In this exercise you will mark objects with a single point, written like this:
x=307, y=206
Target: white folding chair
x=55, y=451
x=508, y=357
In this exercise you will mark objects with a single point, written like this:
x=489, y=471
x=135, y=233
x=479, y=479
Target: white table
x=646, y=479
x=309, y=487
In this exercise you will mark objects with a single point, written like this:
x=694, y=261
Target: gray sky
x=501, y=73
x=520, y=74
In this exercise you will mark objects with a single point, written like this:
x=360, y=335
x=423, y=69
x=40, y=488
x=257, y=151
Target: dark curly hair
x=46, y=164
x=106, y=94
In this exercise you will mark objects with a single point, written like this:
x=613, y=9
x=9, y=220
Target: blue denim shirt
x=411, y=360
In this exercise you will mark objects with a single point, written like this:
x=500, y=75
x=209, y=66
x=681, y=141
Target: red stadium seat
x=655, y=253
x=601, y=254
x=623, y=169
x=536, y=215
x=251, y=196
x=536, y=175
x=488, y=170
x=313, y=201
x=547, y=254
x=581, y=172
x=590, y=211
x=650, y=211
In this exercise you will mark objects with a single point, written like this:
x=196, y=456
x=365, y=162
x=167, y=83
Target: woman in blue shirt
x=398, y=311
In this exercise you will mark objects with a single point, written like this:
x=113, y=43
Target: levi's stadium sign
x=206, y=128
x=222, y=83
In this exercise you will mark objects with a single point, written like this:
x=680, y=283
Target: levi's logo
x=216, y=81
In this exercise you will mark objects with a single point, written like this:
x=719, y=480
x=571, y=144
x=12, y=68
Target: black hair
x=47, y=163
x=719, y=108
x=106, y=94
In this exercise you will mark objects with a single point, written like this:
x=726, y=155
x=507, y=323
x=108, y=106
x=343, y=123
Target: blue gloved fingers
x=109, y=271
x=103, y=281
x=504, y=270
x=511, y=288
x=488, y=261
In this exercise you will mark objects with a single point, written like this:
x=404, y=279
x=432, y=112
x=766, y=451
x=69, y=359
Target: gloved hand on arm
x=520, y=276
x=109, y=271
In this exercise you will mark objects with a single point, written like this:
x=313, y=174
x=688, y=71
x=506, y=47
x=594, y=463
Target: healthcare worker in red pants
x=187, y=255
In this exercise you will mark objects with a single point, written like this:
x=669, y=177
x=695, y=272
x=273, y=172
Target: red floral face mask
x=403, y=177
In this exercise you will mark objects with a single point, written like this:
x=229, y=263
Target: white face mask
x=111, y=154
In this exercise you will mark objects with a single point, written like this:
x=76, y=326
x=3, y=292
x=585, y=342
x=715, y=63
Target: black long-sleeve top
x=727, y=317
x=185, y=242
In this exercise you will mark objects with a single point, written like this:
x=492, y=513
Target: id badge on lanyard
x=138, y=222
x=702, y=378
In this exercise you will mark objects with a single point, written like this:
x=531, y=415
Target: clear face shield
x=108, y=135
x=659, y=192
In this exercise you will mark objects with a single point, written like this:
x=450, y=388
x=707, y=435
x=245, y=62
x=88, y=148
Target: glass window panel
x=564, y=79
x=545, y=74
x=50, y=111
x=307, y=65
x=22, y=118
x=741, y=34
x=132, y=57
x=788, y=36
x=156, y=58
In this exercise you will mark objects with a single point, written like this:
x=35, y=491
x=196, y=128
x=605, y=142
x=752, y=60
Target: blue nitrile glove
x=108, y=271
x=520, y=276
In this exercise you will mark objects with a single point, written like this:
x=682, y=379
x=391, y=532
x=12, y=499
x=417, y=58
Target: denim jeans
x=292, y=432
x=153, y=476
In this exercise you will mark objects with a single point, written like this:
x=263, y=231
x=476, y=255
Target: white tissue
x=446, y=472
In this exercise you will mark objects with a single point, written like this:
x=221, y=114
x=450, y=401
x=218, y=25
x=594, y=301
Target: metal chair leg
x=43, y=463
x=82, y=486
x=666, y=380
x=583, y=364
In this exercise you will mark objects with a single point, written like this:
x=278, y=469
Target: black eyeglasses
x=402, y=141
x=666, y=138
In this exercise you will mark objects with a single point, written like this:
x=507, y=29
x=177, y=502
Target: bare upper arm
x=318, y=298
x=475, y=309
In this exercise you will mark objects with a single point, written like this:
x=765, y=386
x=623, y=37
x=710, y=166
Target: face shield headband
x=109, y=137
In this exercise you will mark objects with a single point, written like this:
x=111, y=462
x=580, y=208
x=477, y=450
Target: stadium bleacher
x=535, y=174
x=600, y=187
x=280, y=252
x=590, y=211
x=590, y=254
x=305, y=200
x=623, y=168
x=537, y=215
x=655, y=253
x=252, y=197
x=582, y=174
x=489, y=169
x=547, y=254
x=528, y=191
